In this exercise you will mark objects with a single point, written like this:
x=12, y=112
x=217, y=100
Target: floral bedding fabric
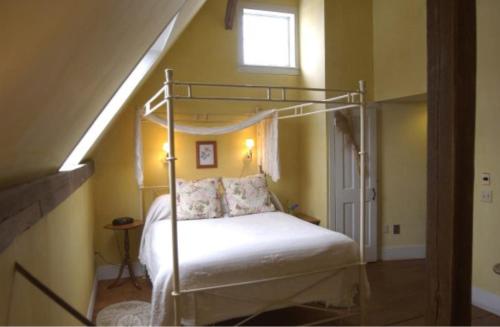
x=247, y=195
x=198, y=199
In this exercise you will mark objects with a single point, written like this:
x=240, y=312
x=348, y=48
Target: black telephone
x=122, y=221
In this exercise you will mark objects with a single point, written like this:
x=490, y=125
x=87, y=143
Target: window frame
x=279, y=70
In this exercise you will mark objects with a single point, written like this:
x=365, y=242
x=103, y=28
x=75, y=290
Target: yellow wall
x=486, y=215
x=205, y=52
x=402, y=172
x=312, y=129
x=399, y=48
x=332, y=58
x=399, y=71
x=349, y=44
x=59, y=251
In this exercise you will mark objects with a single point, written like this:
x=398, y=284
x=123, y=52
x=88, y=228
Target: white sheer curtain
x=267, y=139
x=267, y=147
x=139, y=169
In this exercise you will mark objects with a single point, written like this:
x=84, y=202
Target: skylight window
x=268, y=38
x=118, y=100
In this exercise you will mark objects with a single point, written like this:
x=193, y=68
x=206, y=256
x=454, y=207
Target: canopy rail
x=342, y=97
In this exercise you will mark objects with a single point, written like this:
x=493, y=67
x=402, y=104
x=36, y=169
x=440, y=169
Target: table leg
x=127, y=259
x=120, y=273
x=126, y=262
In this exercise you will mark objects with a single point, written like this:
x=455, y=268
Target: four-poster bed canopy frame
x=343, y=100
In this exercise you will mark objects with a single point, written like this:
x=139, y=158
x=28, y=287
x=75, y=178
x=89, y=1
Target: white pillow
x=247, y=195
x=198, y=199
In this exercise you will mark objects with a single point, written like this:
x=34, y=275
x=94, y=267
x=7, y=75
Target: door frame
x=331, y=171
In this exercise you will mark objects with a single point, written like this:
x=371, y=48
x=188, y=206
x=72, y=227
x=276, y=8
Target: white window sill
x=269, y=70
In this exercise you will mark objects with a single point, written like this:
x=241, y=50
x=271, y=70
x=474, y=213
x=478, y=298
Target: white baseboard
x=486, y=300
x=93, y=294
x=111, y=271
x=403, y=252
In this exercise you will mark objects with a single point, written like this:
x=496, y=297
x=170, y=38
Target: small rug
x=130, y=313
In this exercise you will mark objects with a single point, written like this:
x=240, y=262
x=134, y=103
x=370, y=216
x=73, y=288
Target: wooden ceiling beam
x=230, y=13
x=24, y=205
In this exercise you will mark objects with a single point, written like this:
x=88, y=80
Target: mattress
x=239, y=249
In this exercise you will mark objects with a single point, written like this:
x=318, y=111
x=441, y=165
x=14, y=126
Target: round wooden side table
x=126, y=259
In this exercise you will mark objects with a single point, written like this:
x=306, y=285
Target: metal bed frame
x=343, y=100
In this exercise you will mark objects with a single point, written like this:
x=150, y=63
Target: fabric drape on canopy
x=267, y=147
x=267, y=139
x=198, y=130
x=139, y=169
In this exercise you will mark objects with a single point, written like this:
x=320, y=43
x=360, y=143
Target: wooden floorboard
x=397, y=298
x=488, y=320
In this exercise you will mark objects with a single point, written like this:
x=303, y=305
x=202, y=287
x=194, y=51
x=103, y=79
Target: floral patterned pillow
x=198, y=199
x=247, y=195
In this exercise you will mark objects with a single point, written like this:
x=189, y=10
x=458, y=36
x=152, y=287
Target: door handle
x=374, y=194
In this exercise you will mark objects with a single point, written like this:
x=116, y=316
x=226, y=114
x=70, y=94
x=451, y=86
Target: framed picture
x=206, y=154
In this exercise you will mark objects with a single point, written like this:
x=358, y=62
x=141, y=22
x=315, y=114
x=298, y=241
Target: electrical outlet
x=487, y=196
x=396, y=229
x=485, y=179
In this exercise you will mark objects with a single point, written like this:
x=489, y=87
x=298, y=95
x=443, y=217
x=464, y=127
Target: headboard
x=147, y=194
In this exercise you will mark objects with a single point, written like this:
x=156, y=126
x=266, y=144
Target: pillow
x=198, y=199
x=274, y=200
x=247, y=195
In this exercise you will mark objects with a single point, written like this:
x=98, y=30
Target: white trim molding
x=272, y=70
x=93, y=295
x=111, y=271
x=486, y=300
x=403, y=252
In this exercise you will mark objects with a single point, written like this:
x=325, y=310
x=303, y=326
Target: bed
x=243, y=258
x=207, y=271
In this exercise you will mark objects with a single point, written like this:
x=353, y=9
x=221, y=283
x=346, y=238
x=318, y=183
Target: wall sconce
x=249, y=143
x=166, y=149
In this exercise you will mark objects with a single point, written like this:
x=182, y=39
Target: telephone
x=122, y=221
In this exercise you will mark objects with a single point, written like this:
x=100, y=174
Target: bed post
x=362, y=154
x=171, y=178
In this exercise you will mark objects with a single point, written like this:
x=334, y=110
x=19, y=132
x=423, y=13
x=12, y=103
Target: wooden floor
x=397, y=298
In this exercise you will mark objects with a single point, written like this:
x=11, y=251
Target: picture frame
x=206, y=154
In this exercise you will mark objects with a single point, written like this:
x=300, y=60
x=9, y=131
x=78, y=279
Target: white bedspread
x=237, y=249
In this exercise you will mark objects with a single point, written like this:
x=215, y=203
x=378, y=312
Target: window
x=268, y=40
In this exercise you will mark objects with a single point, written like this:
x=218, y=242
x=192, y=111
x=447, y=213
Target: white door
x=344, y=183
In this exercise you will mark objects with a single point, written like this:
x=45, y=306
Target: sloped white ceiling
x=60, y=62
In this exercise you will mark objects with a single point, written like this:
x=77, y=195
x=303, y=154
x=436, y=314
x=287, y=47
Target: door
x=344, y=182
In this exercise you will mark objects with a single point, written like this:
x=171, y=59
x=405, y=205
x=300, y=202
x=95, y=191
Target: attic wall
x=60, y=63
x=58, y=250
x=205, y=52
